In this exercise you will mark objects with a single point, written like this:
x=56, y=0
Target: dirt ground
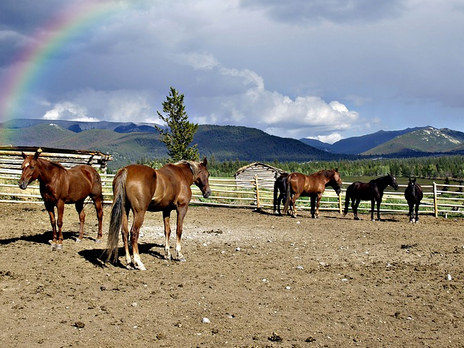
x=251, y=280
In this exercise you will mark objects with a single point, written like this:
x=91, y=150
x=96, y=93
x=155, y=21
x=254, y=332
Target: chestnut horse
x=310, y=185
x=413, y=195
x=140, y=188
x=60, y=186
x=372, y=191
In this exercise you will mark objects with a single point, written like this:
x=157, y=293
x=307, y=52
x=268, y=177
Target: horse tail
x=119, y=190
x=347, y=199
x=288, y=194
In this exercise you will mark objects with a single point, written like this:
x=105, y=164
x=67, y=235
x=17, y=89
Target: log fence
x=439, y=199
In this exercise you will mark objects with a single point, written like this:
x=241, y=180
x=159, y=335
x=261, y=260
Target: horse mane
x=193, y=165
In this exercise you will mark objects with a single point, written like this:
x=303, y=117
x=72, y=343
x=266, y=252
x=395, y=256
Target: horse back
x=172, y=186
x=77, y=183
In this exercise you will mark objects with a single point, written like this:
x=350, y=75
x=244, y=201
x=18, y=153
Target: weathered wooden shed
x=11, y=159
x=245, y=176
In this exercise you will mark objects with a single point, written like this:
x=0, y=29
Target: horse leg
x=411, y=211
x=135, y=231
x=98, y=202
x=417, y=213
x=167, y=233
x=354, y=206
x=51, y=213
x=181, y=211
x=313, y=207
x=379, y=201
x=60, y=209
x=125, y=236
x=80, y=211
x=318, y=202
x=293, y=204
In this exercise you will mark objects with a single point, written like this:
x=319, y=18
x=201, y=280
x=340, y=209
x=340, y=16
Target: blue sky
x=295, y=68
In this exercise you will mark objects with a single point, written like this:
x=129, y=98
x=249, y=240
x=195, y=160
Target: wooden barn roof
x=258, y=164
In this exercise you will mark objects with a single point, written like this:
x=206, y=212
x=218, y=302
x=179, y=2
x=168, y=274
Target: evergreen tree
x=179, y=132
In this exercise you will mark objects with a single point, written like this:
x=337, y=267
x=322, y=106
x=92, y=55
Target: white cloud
x=68, y=111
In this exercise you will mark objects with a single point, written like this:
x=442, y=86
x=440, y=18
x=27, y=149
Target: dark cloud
x=297, y=11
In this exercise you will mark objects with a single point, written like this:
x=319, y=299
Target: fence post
x=340, y=204
x=435, y=199
x=256, y=184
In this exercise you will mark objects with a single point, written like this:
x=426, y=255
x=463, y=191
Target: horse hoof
x=98, y=241
x=141, y=267
x=356, y=218
x=59, y=247
x=78, y=240
x=182, y=259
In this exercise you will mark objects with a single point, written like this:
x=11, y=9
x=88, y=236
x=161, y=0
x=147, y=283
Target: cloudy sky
x=326, y=69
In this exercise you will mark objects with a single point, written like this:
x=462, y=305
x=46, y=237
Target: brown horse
x=140, y=188
x=60, y=186
x=310, y=185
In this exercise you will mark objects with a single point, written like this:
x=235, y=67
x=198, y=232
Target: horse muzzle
x=23, y=184
x=206, y=193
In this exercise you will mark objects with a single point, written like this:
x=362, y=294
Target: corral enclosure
x=252, y=279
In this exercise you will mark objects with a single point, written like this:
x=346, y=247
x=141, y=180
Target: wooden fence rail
x=225, y=192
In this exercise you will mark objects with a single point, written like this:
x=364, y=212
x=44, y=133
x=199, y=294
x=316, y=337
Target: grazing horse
x=140, y=188
x=310, y=185
x=60, y=186
x=280, y=186
x=413, y=195
x=372, y=191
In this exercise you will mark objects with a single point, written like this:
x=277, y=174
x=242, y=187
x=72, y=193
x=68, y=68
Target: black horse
x=372, y=191
x=280, y=186
x=413, y=195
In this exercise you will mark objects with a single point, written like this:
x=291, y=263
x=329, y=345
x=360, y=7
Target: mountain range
x=129, y=142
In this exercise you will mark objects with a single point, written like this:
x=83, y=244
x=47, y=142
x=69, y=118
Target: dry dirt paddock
x=260, y=280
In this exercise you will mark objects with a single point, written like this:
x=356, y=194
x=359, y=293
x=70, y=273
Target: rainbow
x=24, y=73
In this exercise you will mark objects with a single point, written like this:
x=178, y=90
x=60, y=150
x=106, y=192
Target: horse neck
x=188, y=173
x=383, y=182
x=47, y=170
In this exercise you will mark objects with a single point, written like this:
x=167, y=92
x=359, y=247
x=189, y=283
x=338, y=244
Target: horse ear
x=205, y=162
x=37, y=153
x=24, y=155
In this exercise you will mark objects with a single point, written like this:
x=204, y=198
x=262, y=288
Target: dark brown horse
x=371, y=191
x=413, y=195
x=310, y=185
x=280, y=192
x=60, y=186
x=140, y=188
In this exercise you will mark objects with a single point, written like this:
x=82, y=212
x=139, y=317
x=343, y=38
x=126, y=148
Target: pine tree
x=179, y=132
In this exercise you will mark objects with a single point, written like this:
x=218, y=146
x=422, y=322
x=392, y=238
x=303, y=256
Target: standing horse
x=310, y=185
x=372, y=191
x=413, y=195
x=280, y=186
x=60, y=186
x=140, y=188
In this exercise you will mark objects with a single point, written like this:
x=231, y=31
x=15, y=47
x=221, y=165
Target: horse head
x=201, y=178
x=393, y=182
x=336, y=181
x=29, y=169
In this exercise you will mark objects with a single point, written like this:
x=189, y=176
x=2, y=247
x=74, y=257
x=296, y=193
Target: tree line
x=443, y=167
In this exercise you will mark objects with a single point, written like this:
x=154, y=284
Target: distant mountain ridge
x=129, y=142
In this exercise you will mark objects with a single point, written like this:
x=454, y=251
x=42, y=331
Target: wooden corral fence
x=11, y=159
x=439, y=200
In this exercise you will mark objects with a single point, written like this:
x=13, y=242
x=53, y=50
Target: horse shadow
x=98, y=256
x=42, y=238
